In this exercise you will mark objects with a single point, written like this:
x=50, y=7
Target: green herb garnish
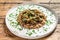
x=33, y=31
x=48, y=22
x=20, y=28
x=11, y=15
x=14, y=24
x=29, y=33
x=45, y=29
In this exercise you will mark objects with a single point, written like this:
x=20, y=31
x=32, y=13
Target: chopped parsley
x=33, y=31
x=48, y=22
x=45, y=29
x=20, y=28
x=11, y=15
x=29, y=33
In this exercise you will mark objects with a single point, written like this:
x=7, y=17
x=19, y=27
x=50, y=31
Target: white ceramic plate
x=19, y=31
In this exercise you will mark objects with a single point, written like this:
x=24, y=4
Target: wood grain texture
x=24, y=0
x=5, y=5
x=27, y=1
x=56, y=1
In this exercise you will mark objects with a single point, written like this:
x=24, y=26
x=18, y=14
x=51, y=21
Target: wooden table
x=5, y=5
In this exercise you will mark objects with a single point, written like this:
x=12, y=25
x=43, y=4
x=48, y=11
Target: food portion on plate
x=31, y=19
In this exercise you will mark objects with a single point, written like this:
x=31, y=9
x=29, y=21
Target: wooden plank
x=55, y=1
x=20, y=1
x=2, y=21
x=40, y=1
x=4, y=8
x=10, y=0
x=31, y=1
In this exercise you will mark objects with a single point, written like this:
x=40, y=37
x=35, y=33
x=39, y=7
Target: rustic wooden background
x=5, y=5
